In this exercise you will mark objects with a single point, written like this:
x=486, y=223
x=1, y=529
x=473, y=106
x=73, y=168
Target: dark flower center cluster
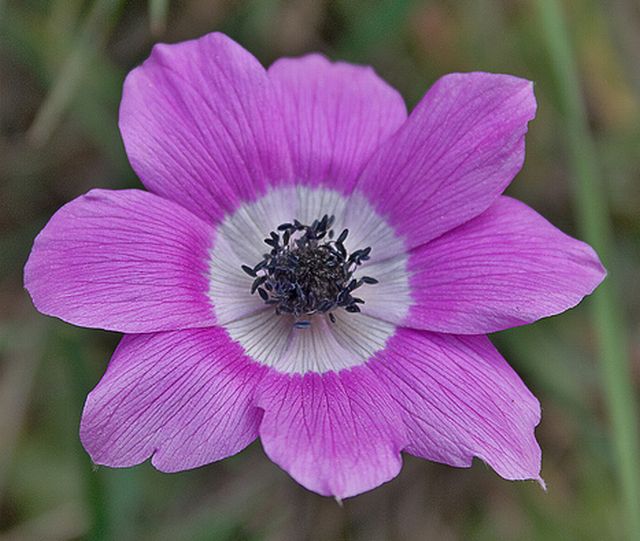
x=308, y=271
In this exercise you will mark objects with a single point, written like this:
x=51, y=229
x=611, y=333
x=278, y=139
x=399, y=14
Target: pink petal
x=126, y=261
x=182, y=398
x=337, y=434
x=335, y=115
x=507, y=267
x=459, y=149
x=460, y=399
x=201, y=127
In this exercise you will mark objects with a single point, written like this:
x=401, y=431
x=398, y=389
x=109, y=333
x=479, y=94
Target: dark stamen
x=306, y=272
x=249, y=270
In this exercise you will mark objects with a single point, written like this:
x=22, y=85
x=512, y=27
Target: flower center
x=307, y=271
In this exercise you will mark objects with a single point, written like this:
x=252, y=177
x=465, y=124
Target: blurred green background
x=62, y=63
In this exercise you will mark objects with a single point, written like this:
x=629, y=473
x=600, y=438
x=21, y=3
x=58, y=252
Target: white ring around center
x=272, y=339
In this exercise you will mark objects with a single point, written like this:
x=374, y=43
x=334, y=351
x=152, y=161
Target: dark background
x=62, y=63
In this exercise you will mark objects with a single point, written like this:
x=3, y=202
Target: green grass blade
x=93, y=33
x=158, y=14
x=593, y=217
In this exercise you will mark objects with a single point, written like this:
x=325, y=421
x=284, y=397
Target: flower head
x=312, y=267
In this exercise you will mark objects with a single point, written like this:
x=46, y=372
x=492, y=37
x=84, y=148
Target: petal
x=337, y=434
x=460, y=399
x=126, y=261
x=201, y=127
x=182, y=398
x=391, y=298
x=229, y=285
x=335, y=115
x=507, y=267
x=459, y=149
x=325, y=346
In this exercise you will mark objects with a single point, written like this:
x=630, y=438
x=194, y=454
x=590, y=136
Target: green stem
x=94, y=486
x=593, y=218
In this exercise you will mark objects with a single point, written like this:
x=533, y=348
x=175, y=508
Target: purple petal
x=460, y=399
x=507, y=267
x=337, y=434
x=126, y=261
x=459, y=149
x=335, y=115
x=201, y=127
x=183, y=398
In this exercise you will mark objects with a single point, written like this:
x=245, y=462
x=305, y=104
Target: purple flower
x=356, y=331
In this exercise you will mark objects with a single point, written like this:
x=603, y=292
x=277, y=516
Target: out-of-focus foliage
x=62, y=63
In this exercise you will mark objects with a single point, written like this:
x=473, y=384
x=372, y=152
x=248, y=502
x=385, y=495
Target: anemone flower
x=310, y=266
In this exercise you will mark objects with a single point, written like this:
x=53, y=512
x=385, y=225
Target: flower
x=312, y=267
